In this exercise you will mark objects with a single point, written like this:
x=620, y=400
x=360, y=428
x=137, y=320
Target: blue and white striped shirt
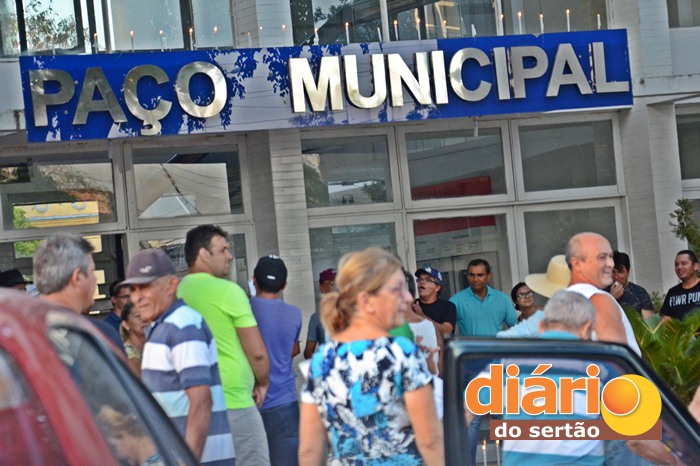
x=180, y=352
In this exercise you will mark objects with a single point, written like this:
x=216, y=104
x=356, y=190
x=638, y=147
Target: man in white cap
x=180, y=364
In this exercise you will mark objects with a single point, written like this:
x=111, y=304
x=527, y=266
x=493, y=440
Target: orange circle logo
x=631, y=404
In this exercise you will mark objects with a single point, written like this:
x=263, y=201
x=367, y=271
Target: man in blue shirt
x=482, y=310
x=279, y=324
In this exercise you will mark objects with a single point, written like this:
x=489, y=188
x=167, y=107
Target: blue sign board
x=225, y=90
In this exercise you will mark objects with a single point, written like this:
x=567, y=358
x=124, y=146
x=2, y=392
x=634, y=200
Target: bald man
x=590, y=259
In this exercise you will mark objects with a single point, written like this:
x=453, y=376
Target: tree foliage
x=43, y=23
x=672, y=348
x=685, y=226
x=20, y=222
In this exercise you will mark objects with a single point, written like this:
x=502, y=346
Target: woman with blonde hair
x=371, y=394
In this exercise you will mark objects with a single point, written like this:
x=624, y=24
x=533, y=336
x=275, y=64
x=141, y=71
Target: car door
x=466, y=359
x=123, y=410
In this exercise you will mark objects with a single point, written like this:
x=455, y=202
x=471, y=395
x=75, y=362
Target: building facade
x=508, y=187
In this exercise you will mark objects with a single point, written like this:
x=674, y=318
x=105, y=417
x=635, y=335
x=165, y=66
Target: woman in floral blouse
x=369, y=393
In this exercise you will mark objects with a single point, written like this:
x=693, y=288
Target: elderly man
x=64, y=274
x=590, y=259
x=567, y=316
x=180, y=364
x=243, y=358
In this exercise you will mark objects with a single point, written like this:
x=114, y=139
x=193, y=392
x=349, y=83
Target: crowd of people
x=220, y=362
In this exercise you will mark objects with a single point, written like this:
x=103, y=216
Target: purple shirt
x=279, y=324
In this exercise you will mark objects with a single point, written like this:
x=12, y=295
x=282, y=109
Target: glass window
x=448, y=244
x=472, y=362
x=454, y=164
x=175, y=248
x=106, y=254
x=111, y=403
x=212, y=23
x=683, y=13
x=346, y=171
x=581, y=16
x=568, y=156
x=52, y=25
x=335, y=21
x=42, y=194
x=171, y=184
x=156, y=24
x=329, y=244
x=548, y=232
x=689, y=145
x=9, y=39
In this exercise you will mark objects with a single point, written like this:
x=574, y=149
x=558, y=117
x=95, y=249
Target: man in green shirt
x=243, y=360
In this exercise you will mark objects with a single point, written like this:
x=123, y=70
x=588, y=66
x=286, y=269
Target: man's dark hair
x=691, y=254
x=483, y=262
x=621, y=260
x=200, y=237
x=114, y=288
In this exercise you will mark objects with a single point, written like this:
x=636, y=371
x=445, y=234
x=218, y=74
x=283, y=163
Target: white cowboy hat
x=557, y=277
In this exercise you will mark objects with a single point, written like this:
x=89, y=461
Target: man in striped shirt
x=180, y=361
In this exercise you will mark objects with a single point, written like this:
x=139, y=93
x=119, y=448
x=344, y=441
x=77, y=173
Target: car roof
x=24, y=322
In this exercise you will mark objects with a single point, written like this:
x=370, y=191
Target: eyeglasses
x=425, y=279
x=527, y=294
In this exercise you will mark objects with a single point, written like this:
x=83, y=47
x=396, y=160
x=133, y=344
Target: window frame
x=50, y=152
x=394, y=218
x=511, y=233
x=392, y=153
x=622, y=227
x=456, y=125
x=691, y=187
x=194, y=144
x=617, y=189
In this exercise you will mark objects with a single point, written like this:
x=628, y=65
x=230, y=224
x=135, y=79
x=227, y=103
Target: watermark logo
x=555, y=403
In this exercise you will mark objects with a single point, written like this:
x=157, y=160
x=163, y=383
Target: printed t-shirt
x=679, y=301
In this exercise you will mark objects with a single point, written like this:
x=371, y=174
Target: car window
x=23, y=421
x=135, y=429
x=475, y=437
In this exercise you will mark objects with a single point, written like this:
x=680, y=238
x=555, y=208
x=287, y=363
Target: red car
x=66, y=397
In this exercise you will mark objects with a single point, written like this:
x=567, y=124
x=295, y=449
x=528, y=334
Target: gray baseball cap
x=146, y=266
